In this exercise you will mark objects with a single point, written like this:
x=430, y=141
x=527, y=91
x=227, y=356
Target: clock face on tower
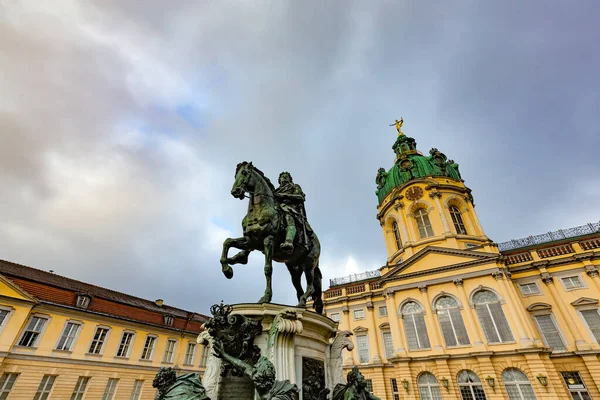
x=414, y=193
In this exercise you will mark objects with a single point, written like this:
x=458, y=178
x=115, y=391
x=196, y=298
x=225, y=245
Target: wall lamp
x=405, y=384
x=543, y=379
x=445, y=382
x=490, y=381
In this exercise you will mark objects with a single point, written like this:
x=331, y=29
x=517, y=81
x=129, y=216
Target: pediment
x=539, y=307
x=585, y=301
x=438, y=259
x=12, y=290
x=359, y=329
x=385, y=325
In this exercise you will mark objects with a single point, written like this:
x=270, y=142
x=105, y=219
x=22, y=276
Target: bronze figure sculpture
x=355, y=389
x=276, y=225
x=172, y=387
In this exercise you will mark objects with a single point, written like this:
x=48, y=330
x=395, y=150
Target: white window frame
x=136, y=392
x=585, y=323
x=362, y=310
x=187, y=360
x=380, y=308
x=518, y=385
x=394, y=387
x=83, y=301
x=127, y=346
x=103, y=346
x=43, y=388
x=427, y=228
x=522, y=284
x=78, y=391
x=109, y=390
x=3, y=388
x=79, y=325
x=204, y=355
x=387, y=350
x=567, y=276
x=359, y=339
x=494, y=323
x=442, y=310
x=40, y=333
x=151, y=354
x=10, y=312
x=457, y=220
x=173, y=351
x=409, y=318
x=556, y=325
x=429, y=387
x=336, y=317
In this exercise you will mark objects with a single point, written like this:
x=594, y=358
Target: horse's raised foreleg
x=269, y=244
x=239, y=243
x=296, y=273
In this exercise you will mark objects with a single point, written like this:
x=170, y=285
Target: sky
x=121, y=124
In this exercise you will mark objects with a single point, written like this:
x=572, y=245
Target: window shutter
x=550, y=332
x=501, y=322
x=592, y=318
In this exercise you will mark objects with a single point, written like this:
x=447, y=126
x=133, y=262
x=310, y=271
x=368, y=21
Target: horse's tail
x=318, y=294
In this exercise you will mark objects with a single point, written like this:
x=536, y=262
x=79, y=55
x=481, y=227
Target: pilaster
x=397, y=336
x=373, y=335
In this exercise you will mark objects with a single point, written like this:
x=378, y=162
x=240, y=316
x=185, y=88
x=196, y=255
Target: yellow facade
x=520, y=320
x=42, y=356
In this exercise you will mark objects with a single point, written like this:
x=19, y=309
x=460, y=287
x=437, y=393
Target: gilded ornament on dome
x=414, y=193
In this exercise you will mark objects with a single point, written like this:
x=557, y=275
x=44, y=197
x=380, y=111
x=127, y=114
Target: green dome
x=412, y=164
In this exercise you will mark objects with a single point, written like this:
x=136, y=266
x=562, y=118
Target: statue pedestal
x=304, y=347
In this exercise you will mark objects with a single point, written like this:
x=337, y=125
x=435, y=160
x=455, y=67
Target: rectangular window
x=125, y=345
x=395, y=391
x=98, y=342
x=3, y=314
x=359, y=314
x=169, y=350
x=383, y=311
x=204, y=357
x=80, y=387
x=67, y=339
x=336, y=317
x=32, y=331
x=190, y=353
x=111, y=389
x=7, y=381
x=592, y=319
x=471, y=245
x=45, y=387
x=369, y=383
x=529, y=288
x=416, y=331
x=550, y=332
x=363, y=348
x=388, y=344
x=137, y=390
x=572, y=282
x=148, y=350
x=575, y=385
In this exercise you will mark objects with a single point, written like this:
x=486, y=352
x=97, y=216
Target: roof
x=59, y=290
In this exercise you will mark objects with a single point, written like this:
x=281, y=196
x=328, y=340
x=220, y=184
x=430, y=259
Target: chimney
x=159, y=302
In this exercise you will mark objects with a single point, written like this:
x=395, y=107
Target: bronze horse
x=264, y=230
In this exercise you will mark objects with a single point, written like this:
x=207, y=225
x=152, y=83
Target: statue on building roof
x=398, y=125
x=381, y=178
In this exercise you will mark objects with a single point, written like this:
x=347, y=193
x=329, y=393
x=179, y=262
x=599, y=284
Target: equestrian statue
x=276, y=225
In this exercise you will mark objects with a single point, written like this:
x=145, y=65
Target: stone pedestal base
x=304, y=347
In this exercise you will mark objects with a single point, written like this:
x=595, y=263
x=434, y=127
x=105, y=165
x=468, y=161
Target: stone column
x=373, y=335
x=509, y=289
x=405, y=229
x=524, y=340
x=436, y=196
x=397, y=334
x=432, y=326
x=580, y=342
x=474, y=333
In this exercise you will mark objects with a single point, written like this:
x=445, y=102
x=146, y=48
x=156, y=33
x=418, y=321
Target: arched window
x=470, y=386
x=397, y=235
x=491, y=317
x=414, y=326
x=423, y=223
x=517, y=385
x=429, y=388
x=451, y=321
x=457, y=220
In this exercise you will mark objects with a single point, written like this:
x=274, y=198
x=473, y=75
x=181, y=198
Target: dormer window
x=169, y=320
x=83, y=301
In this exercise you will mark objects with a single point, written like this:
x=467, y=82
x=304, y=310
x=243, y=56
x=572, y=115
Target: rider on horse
x=291, y=198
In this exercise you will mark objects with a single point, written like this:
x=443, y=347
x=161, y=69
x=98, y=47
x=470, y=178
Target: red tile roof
x=51, y=288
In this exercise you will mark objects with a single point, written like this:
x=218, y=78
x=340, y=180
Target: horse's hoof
x=228, y=272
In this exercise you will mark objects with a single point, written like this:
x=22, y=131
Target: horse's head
x=243, y=180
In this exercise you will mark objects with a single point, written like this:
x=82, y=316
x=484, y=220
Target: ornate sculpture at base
x=173, y=387
x=355, y=389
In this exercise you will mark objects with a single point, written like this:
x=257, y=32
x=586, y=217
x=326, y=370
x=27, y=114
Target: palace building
x=65, y=339
x=453, y=315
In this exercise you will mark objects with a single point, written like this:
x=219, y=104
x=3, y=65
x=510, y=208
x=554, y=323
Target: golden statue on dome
x=398, y=125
